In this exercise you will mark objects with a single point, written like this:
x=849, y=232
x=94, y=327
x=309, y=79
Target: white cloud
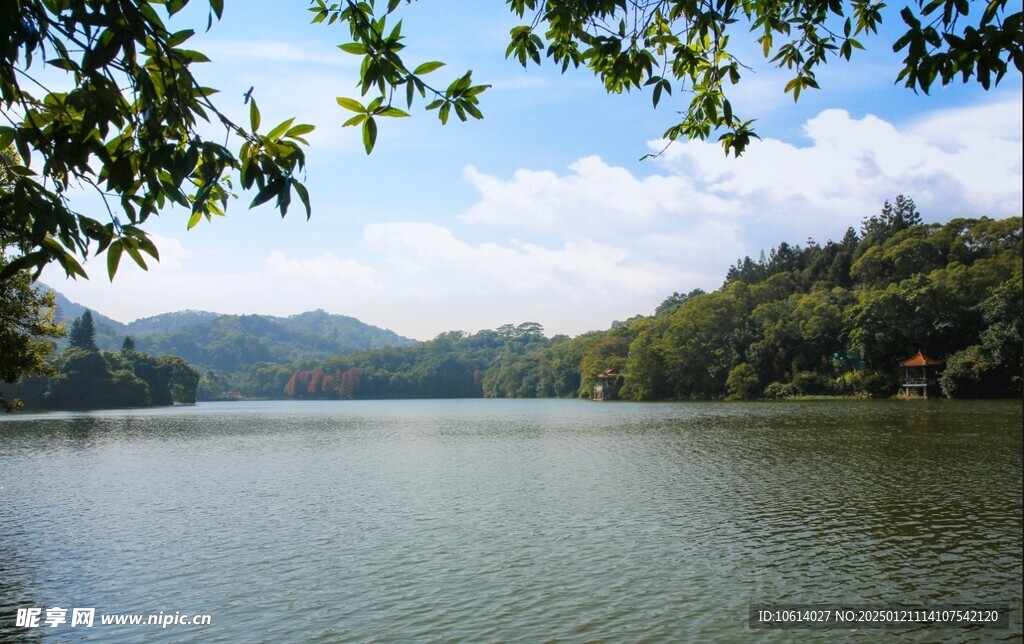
x=568, y=285
x=324, y=268
x=431, y=260
x=594, y=200
x=276, y=52
x=173, y=254
x=956, y=163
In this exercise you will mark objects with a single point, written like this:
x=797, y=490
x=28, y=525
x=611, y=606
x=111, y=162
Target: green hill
x=231, y=343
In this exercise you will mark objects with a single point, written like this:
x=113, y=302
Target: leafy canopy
x=683, y=47
x=126, y=123
x=128, y=128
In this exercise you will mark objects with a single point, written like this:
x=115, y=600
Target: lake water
x=494, y=520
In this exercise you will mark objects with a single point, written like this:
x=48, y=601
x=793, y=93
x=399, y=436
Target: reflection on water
x=508, y=520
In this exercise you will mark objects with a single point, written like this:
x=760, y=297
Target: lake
x=507, y=520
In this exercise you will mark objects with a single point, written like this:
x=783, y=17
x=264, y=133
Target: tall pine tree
x=83, y=332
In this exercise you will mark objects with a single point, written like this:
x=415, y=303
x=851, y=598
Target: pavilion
x=920, y=374
x=608, y=384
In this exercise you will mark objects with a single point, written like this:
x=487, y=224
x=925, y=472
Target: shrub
x=742, y=383
x=777, y=390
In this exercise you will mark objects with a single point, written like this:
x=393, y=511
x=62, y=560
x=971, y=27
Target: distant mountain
x=236, y=342
x=109, y=332
x=169, y=322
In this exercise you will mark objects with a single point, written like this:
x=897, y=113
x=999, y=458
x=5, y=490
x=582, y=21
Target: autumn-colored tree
x=316, y=382
x=298, y=385
x=349, y=383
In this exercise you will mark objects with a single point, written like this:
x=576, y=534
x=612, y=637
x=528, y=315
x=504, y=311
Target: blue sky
x=543, y=211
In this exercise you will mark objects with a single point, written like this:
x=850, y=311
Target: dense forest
x=819, y=319
x=83, y=377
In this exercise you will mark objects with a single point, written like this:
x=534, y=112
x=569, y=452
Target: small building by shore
x=920, y=376
x=609, y=382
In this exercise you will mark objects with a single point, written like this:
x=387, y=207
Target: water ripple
x=507, y=520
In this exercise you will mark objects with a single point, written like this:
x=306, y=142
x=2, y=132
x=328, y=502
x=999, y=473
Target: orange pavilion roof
x=920, y=360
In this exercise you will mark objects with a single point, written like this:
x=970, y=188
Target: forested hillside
x=236, y=342
x=239, y=355
x=84, y=377
x=817, y=319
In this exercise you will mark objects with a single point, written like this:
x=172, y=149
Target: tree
x=86, y=381
x=26, y=315
x=994, y=366
x=890, y=221
x=83, y=332
x=674, y=301
x=348, y=383
x=27, y=329
x=130, y=125
x=129, y=128
x=183, y=379
x=128, y=344
x=742, y=383
x=89, y=379
x=609, y=352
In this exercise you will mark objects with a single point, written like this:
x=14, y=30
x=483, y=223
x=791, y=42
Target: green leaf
x=147, y=246
x=254, y=115
x=426, y=68
x=37, y=258
x=265, y=194
x=284, y=197
x=303, y=196
x=193, y=56
x=71, y=265
x=282, y=127
x=299, y=130
x=356, y=48
x=135, y=255
x=355, y=120
x=990, y=11
x=113, y=258
x=63, y=63
x=369, y=134
x=351, y=104
x=178, y=38
x=393, y=111
x=396, y=33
